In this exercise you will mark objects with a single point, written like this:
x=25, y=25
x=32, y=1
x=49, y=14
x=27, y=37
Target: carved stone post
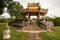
x=6, y=32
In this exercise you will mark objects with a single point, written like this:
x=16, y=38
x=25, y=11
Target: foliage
x=1, y=6
x=14, y=9
x=34, y=19
x=54, y=35
x=57, y=21
x=14, y=34
x=15, y=22
x=5, y=2
x=1, y=10
x=1, y=29
x=47, y=18
x=17, y=35
x=2, y=21
x=11, y=21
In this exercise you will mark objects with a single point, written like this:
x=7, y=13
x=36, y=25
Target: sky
x=53, y=6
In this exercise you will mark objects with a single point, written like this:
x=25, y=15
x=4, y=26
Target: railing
x=42, y=24
x=25, y=24
x=20, y=25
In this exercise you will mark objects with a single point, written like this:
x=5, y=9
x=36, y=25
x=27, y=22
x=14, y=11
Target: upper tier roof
x=34, y=7
x=33, y=4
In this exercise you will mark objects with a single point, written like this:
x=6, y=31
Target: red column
x=28, y=18
x=38, y=16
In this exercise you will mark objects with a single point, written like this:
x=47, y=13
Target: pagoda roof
x=34, y=8
x=41, y=11
x=33, y=4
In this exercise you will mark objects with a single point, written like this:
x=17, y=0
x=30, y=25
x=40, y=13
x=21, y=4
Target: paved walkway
x=32, y=27
x=33, y=30
x=33, y=36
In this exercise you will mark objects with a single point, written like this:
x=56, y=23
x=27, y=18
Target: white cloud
x=53, y=6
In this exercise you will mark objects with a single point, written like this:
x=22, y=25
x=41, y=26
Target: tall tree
x=14, y=9
x=1, y=7
x=3, y=3
x=7, y=2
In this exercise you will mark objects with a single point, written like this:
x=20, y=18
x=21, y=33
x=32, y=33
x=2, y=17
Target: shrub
x=57, y=21
x=34, y=19
x=47, y=18
x=15, y=22
x=11, y=21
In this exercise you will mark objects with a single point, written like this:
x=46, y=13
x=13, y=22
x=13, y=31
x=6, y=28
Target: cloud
x=53, y=6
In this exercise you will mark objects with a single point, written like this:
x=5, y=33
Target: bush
x=15, y=22
x=34, y=19
x=2, y=20
x=57, y=21
x=11, y=21
x=47, y=19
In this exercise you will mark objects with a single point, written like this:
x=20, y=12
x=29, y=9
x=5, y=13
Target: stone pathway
x=33, y=27
x=33, y=36
x=33, y=30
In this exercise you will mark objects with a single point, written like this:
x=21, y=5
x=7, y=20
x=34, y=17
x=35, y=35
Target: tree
x=14, y=9
x=57, y=21
x=1, y=7
x=7, y=2
x=3, y=3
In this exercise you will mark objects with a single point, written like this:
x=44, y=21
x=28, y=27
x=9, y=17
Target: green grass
x=54, y=35
x=14, y=34
x=17, y=35
x=1, y=29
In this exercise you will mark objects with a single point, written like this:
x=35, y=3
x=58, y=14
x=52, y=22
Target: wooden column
x=28, y=18
x=38, y=16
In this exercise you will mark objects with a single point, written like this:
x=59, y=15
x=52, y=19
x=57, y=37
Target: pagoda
x=35, y=10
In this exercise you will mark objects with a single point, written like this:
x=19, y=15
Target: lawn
x=1, y=29
x=54, y=35
x=14, y=34
x=17, y=35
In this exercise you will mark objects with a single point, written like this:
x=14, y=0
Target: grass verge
x=54, y=35
x=14, y=34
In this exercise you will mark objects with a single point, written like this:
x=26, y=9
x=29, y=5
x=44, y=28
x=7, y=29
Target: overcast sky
x=53, y=6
